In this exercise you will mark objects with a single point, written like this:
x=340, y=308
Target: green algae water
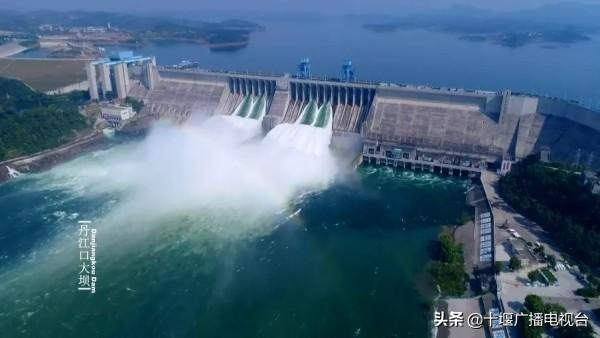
x=344, y=260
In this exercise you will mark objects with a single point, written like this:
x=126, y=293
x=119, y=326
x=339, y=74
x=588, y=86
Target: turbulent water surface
x=206, y=235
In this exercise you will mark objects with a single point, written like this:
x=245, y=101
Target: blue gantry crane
x=304, y=69
x=348, y=72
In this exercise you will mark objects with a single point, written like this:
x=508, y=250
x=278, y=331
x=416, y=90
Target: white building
x=116, y=116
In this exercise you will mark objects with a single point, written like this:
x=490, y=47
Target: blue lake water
x=414, y=57
x=349, y=262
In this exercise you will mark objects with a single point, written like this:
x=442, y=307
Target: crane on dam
x=348, y=72
x=304, y=69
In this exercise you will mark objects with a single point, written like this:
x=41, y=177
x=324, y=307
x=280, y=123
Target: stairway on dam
x=177, y=100
x=293, y=112
x=229, y=103
x=347, y=117
x=456, y=127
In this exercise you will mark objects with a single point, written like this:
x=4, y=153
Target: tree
x=554, y=308
x=135, y=104
x=553, y=196
x=31, y=121
x=589, y=292
x=534, y=276
x=575, y=332
x=448, y=268
x=514, y=264
x=551, y=259
x=498, y=267
x=534, y=303
x=527, y=330
x=540, y=250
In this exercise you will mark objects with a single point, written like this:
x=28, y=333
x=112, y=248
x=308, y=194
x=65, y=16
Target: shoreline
x=11, y=48
x=49, y=158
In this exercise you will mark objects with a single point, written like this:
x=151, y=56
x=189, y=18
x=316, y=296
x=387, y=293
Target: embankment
x=48, y=158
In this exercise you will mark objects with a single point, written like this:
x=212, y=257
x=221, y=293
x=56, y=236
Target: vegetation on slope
x=448, y=267
x=534, y=304
x=555, y=197
x=31, y=121
x=135, y=104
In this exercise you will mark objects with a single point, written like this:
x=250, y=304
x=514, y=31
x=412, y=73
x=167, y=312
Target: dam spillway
x=251, y=107
x=315, y=115
x=418, y=123
x=350, y=104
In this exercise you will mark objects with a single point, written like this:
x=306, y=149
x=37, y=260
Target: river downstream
x=242, y=258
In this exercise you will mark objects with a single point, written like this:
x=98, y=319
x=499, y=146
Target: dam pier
x=442, y=130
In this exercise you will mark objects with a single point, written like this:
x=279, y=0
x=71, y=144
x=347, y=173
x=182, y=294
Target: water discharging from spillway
x=290, y=155
x=313, y=115
x=243, y=124
x=290, y=145
x=184, y=193
x=253, y=107
x=311, y=134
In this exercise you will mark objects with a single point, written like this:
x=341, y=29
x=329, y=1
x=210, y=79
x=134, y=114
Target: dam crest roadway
x=445, y=130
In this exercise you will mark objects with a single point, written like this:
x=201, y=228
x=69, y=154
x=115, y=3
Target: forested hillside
x=31, y=121
x=555, y=197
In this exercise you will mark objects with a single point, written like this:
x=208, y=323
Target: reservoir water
x=414, y=56
x=220, y=245
x=411, y=56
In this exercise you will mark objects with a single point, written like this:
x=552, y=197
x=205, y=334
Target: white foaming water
x=197, y=185
x=300, y=138
x=230, y=129
x=210, y=172
x=13, y=173
x=310, y=108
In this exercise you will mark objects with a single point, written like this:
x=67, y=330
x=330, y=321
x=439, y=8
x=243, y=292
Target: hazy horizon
x=390, y=7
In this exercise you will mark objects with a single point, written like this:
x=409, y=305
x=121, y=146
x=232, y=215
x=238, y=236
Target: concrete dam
x=451, y=130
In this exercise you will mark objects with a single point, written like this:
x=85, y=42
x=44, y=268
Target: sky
x=329, y=6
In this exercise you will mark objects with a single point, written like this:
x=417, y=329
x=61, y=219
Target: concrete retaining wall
x=570, y=111
x=83, y=85
x=486, y=124
x=348, y=142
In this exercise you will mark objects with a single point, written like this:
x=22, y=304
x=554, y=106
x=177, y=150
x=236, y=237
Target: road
x=513, y=284
x=506, y=215
x=11, y=48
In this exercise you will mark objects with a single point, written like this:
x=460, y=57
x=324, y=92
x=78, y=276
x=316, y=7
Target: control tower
x=110, y=77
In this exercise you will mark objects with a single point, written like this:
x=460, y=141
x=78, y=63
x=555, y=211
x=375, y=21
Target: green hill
x=31, y=121
x=555, y=197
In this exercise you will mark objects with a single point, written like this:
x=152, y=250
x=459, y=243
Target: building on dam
x=443, y=130
x=111, y=76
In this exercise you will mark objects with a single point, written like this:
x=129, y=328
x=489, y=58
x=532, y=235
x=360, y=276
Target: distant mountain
x=578, y=15
x=564, y=13
x=562, y=23
x=23, y=21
